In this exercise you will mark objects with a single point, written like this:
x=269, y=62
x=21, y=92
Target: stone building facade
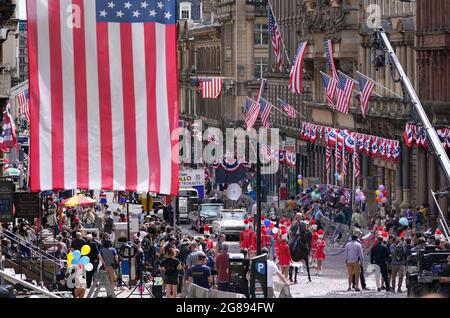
x=433, y=63
x=345, y=23
x=230, y=42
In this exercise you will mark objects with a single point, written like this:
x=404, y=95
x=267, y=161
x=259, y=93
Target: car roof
x=204, y=204
x=235, y=210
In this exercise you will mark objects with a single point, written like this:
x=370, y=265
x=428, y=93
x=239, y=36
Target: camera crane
x=380, y=49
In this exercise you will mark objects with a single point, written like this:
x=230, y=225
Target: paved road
x=331, y=284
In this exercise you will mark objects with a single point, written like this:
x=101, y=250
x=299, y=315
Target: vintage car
x=205, y=215
x=230, y=222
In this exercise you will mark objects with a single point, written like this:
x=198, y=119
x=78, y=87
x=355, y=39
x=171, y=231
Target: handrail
x=16, y=280
x=14, y=237
x=30, y=266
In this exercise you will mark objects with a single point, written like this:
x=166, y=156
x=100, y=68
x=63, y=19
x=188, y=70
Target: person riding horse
x=299, y=244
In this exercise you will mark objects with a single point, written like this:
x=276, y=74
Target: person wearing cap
x=108, y=222
x=200, y=274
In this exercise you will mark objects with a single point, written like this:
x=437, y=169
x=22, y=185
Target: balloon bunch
x=339, y=176
x=300, y=180
x=359, y=196
x=381, y=194
x=270, y=226
x=79, y=259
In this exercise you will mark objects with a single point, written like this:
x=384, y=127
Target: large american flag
x=330, y=85
x=296, y=76
x=211, y=87
x=104, y=95
x=366, y=88
x=288, y=109
x=23, y=100
x=345, y=89
x=329, y=55
x=266, y=109
x=276, y=39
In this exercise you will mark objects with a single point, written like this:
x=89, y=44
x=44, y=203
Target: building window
x=261, y=34
x=261, y=66
x=185, y=11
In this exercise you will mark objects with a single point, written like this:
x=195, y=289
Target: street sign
x=191, y=178
x=6, y=201
x=258, y=278
x=27, y=204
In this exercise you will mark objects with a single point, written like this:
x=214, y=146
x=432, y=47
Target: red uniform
x=320, y=253
x=246, y=238
x=284, y=255
x=253, y=242
x=209, y=243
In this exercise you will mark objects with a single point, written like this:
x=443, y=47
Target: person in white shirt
x=272, y=270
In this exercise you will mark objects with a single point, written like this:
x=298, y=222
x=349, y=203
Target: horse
x=299, y=246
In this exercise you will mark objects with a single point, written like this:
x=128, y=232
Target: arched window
x=185, y=10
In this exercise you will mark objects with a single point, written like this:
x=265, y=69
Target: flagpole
x=353, y=182
x=379, y=84
x=282, y=41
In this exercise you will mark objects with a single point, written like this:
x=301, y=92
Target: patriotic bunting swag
x=417, y=135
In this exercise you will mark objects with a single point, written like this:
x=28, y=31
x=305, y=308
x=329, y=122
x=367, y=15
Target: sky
x=22, y=9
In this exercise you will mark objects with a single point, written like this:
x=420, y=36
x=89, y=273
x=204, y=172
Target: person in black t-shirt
x=170, y=266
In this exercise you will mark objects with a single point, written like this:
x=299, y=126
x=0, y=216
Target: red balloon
x=272, y=225
x=385, y=194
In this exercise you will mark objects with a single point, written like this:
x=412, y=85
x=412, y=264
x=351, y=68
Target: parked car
x=206, y=214
x=230, y=222
x=188, y=201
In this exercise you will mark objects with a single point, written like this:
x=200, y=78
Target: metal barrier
x=15, y=280
x=194, y=291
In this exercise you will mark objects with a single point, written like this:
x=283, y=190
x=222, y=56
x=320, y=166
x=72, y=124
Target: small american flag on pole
x=329, y=55
x=366, y=88
x=330, y=85
x=276, y=39
x=211, y=87
x=266, y=109
x=24, y=106
x=344, y=162
x=288, y=109
x=345, y=89
x=252, y=113
x=296, y=77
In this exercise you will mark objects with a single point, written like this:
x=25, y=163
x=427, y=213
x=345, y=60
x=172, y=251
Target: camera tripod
x=141, y=284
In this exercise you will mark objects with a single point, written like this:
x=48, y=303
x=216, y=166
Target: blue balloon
x=336, y=175
x=403, y=221
x=75, y=261
x=84, y=260
x=76, y=255
x=266, y=222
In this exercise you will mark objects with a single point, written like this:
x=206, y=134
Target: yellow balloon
x=69, y=257
x=85, y=250
x=69, y=263
x=377, y=192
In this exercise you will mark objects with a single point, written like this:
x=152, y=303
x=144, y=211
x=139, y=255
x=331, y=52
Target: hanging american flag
x=8, y=137
x=357, y=166
x=296, y=76
x=23, y=99
x=344, y=162
x=252, y=113
x=103, y=94
x=329, y=55
x=328, y=159
x=276, y=39
x=345, y=89
x=268, y=152
x=330, y=85
x=211, y=87
x=337, y=161
x=366, y=88
x=266, y=109
x=288, y=109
